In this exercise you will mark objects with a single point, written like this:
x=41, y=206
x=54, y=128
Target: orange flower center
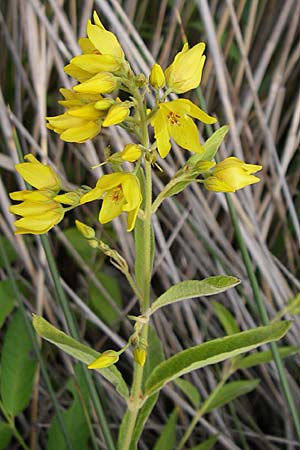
x=117, y=194
x=173, y=118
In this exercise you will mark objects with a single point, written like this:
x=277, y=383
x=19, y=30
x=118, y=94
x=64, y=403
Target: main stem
x=136, y=390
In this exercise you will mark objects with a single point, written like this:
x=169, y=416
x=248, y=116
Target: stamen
x=173, y=118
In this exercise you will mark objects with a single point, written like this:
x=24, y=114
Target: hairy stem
x=136, y=390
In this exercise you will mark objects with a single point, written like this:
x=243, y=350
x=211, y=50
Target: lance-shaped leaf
x=265, y=357
x=79, y=351
x=212, y=352
x=231, y=391
x=211, y=146
x=194, y=288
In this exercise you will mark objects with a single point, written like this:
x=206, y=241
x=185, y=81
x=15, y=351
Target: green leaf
x=211, y=146
x=226, y=318
x=9, y=251
x=230, y=391
x=265, y=357
x=79, y=351
x=74, y=417
x=5, y=435
x=190, y=391
x=212, y=352
x=194, y=288
x=155, y=356
x=207, y=444
x=167, y=438
x=139, y=251
x=7, y=299
x=98, y=301
x=17, y=367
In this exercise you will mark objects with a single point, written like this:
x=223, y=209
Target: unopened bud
x=106, y=359
x=157, y=77
x=140, y=356
x=85, y=230
x=116, y=114
x=131, y=153
x=104, y=104
x=69, y=198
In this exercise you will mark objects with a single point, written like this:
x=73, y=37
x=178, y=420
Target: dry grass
x=251, y=82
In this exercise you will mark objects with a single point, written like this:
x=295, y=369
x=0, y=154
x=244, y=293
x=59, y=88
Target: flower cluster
x=39, y=208
x=108, y=93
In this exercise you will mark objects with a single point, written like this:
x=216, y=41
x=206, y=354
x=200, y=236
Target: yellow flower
x=117, y=113
x=157, y=77
x=121, y=194
x=38, y=217
x=104, y=41
x=185, y=71
x=39, y=211
x=73, y=129
x=96, y=63
x=106, y=359
x=101, y=83
x=230, y=175
x=38, y=175
x=81, y=120
x=173, y=120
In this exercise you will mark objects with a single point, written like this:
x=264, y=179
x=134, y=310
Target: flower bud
x=140, y=356
x=106, y=359
x=131, y=153
x=104, y=104
x=116, y=114
x=86, y=231
x=230, y=175
x=69, y=198
x=157, y=77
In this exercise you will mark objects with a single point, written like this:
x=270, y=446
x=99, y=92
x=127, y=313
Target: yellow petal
x=104, y=41
x=96, y=63
x=30, y=208
x=97, y=20
x=102, y=83
x=65, y=121
x=86, y=46
x=185, y=134
x=161, y=133
x=112, y=205
x=39, y=175
x=39, y=224
x=185, y=71
x=214, y=184
x=131, y=219
x=116, y=114
x=76, y=72
x=87, y=112
x=132, y=192
x=81, y=134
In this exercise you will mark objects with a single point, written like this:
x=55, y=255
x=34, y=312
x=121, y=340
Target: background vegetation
x=250, y=81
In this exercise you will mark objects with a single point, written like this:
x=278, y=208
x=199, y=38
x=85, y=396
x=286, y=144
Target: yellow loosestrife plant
x=102, y=72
